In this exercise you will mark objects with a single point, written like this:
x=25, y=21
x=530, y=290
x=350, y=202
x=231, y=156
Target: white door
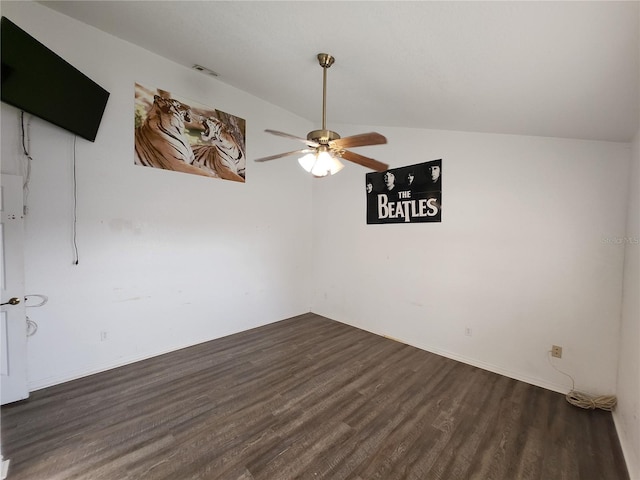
x=13, y=328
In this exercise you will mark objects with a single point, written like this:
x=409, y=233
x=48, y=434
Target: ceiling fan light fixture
x=320, y=164
x=327, y=147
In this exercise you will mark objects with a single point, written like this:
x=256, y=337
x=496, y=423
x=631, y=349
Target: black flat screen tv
x=40, y=82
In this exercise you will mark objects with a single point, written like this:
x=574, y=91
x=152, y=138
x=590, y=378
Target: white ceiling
x=560, y=69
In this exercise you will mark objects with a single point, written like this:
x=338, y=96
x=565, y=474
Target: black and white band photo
x=410, y=194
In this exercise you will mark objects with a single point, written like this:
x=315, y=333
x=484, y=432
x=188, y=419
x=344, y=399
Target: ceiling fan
x=325, y=147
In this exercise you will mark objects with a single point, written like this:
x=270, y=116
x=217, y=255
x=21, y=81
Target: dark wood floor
x=305, y=398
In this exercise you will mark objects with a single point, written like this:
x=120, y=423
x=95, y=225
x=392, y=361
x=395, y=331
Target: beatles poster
x=411, y=194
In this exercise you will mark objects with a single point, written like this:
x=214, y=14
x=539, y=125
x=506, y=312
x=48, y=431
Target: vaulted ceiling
x=560, y=69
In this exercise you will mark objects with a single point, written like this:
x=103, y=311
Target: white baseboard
x=630, y=453
x=538, y=382
x=85, y=371
x=41, y=383
x=4, y=467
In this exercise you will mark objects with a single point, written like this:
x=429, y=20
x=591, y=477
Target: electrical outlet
x=468, y=332
x=103, y=336
x=556, y=351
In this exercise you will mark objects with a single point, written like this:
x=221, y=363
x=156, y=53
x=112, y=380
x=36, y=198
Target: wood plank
x=306, y=398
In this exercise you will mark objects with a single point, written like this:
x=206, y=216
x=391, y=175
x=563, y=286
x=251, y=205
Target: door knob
x=12, y=301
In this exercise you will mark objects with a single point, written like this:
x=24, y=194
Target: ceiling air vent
x=202, y=69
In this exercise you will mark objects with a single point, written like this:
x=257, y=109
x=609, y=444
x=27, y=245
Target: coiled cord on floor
x=584, y=400
x=589, y=402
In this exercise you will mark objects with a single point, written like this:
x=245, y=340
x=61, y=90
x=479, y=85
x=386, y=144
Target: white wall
x=526, y=256
x=627, y=414
x=522, y=256
x=528, y=253
x=166, y=259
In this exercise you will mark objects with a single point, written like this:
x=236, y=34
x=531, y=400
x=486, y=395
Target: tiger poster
x=411, y=194
x=173, y=133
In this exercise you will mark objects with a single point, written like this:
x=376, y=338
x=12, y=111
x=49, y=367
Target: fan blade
x=273, y=157
x=360, y=140
x=311, y=143
x=365, y=161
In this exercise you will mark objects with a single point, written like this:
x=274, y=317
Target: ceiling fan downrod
x=324, y=147
x=324, y=136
